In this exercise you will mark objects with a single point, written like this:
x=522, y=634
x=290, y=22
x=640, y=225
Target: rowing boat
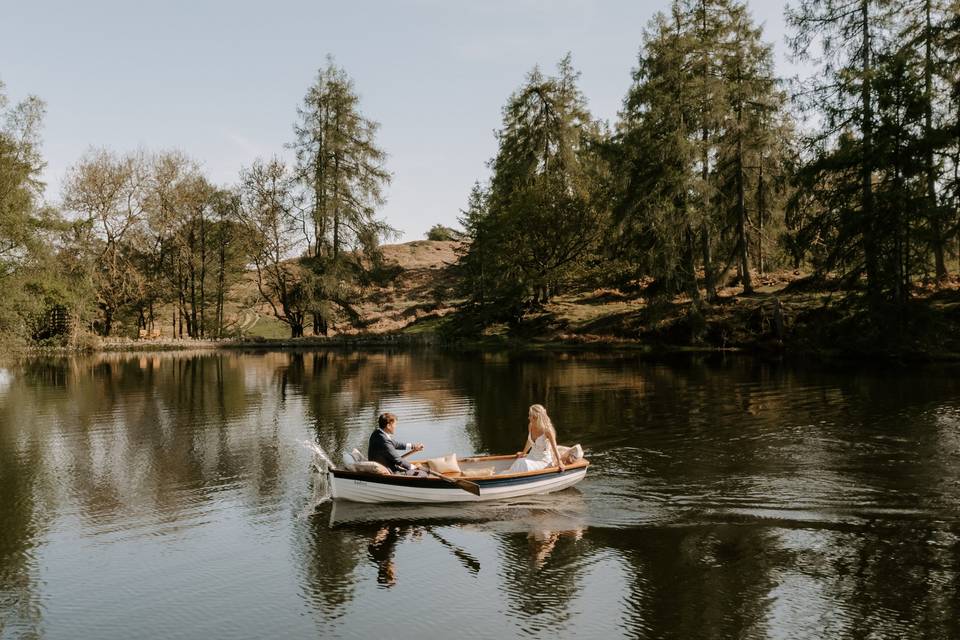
x=496, y=483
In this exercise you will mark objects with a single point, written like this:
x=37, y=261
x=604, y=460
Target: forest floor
x=789, y=313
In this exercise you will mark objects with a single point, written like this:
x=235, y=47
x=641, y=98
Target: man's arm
x=391, y=449
x=403, y=446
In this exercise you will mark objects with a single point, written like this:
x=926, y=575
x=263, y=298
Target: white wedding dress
x=539, y=457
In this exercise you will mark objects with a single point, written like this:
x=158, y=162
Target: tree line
x=715, y=171
x=145, y=239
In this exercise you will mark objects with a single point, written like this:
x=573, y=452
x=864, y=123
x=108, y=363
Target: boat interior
x=487, y=466
x=469, y=467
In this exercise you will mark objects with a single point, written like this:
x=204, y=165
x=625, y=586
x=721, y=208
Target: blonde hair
x=542, y=420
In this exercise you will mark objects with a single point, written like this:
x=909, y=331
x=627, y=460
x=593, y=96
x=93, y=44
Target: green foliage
x=339, y=165
x=36, y=278
x=152, y=231
x=701, y=149
x=341, y=171
x=700, y=179
x=533, y=227
x=875, y=195
x=442, y=233
x=20, y=186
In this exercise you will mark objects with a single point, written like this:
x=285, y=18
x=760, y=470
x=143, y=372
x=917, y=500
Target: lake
x=173, y=496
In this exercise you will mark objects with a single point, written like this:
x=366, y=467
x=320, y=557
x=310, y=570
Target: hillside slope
x=420, y=276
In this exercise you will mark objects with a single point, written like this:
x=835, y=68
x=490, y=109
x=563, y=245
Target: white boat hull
x=367, y=488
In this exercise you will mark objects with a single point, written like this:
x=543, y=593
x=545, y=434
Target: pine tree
x=753, y=135
x=473, y=265
x=342, y=171
x=921, y=27
x=949, y=70
x=539, y=215
x=339, y=163
x=696, y=134
x=658, y=156
x=844, y=38
x=707, y=25
x=927, y=33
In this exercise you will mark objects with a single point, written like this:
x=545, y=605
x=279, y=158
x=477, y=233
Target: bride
x=540, y=450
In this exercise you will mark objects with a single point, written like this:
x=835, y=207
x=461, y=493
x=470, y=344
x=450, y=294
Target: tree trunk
x=320, y=327
x=221, y=276
x=742, y=209
x=336, y=193
x=203, y=274
x=866, y=173
x=296, y=326
x=936, y=225
x=898, y=239
x=691, y=268
x=192, y=326
x=708, y=276
x=760, y=210
x=107, y=321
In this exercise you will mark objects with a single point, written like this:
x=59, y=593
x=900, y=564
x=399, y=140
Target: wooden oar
x=465, y=558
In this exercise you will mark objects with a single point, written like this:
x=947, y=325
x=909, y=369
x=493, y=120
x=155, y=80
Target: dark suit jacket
x=383, y=449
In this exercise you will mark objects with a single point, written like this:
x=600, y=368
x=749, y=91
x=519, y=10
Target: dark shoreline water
x=166, y=495
x=837, y=351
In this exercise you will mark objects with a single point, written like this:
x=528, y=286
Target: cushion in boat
x=357, y=456
x=368, y=466
x=444, y=464
x=569, y=455
x=479, y=472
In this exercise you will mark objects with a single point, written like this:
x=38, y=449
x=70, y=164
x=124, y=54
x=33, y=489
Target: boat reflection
x=545, y=522
x=556, y=509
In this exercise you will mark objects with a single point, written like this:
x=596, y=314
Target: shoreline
x=793, y=318
x=762, y=350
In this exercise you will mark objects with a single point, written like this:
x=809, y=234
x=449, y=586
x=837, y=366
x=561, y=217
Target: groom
x=383, y=448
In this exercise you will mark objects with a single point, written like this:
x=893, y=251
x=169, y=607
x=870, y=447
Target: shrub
x=440, y=232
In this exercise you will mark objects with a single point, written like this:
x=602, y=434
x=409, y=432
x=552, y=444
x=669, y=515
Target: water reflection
x=727, y=498
x=550, y=528
x=382, y=547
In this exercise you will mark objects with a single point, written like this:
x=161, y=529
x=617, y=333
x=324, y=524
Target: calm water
x=171, y=496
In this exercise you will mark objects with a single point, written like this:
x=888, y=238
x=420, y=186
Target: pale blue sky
x=221, y=80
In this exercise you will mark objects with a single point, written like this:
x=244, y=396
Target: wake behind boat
x=480, y=478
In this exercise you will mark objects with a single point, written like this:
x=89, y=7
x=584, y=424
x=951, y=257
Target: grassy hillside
x=421, y=269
